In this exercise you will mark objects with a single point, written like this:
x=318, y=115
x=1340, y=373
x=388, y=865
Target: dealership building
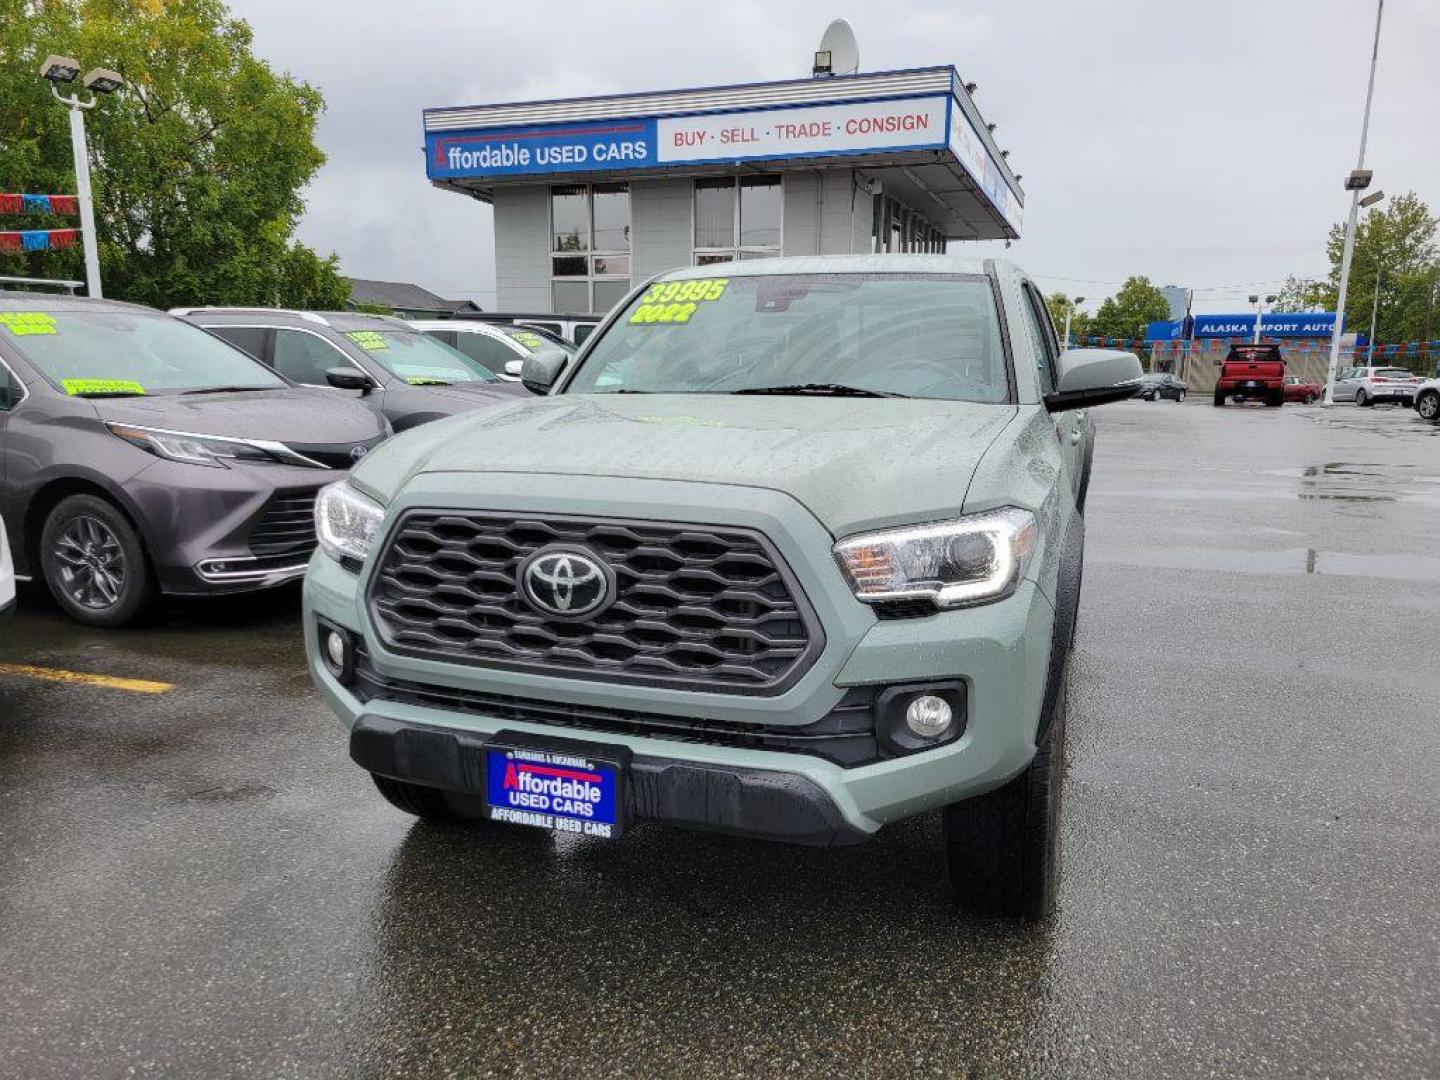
x=592, y=195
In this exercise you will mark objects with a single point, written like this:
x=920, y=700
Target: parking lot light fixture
x=1357, y=182
x=62, y=71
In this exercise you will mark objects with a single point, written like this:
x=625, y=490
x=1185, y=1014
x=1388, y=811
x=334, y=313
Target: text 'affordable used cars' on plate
x=792, y=549
x=140, y=455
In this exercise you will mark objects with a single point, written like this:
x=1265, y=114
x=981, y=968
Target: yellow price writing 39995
x=676, y=301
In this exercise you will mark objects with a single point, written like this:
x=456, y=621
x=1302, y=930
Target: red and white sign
x=779, y=133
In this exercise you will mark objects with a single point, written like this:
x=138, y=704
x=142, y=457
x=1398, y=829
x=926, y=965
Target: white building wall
x=522, y=248
x=660, y=226
x=825, y=214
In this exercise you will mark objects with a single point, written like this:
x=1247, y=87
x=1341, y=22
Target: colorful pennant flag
x=38, y=239
x=13, y=203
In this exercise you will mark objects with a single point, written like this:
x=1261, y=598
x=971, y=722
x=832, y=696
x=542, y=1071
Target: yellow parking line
x=81, y=678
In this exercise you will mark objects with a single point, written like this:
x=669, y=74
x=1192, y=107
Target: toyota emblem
x=566, y=583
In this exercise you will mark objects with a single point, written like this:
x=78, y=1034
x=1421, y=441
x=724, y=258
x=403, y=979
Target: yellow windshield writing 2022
x=369, y=340
x=21, y=323
x=86, y=387
x=669, y=302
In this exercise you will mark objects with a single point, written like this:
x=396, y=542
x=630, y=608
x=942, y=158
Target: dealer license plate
x=551, y=789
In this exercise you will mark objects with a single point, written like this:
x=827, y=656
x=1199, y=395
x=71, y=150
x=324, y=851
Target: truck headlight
x=346, y=521
x=972, y=560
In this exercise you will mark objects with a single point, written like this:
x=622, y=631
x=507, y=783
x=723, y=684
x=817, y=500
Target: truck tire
x=1362, y=399
x=1428, y=405
x=1002, y=849
x=428, y=803
x=94, y=562
x=1219, y=399
x=1275, y=398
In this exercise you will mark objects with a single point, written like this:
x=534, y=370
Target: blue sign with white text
x=1275, y=324
x=554, y=148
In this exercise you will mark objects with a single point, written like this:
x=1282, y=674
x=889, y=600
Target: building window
x=737, y=218
x=895, y=227
x=589, y=246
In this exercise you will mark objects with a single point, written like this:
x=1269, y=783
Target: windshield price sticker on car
x=22, y=323
x=529, y=340
x=549, y=790
x=90, y=387
x=675, y=301
x=369, y=340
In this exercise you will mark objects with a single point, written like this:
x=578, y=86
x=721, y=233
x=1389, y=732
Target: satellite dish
x=837, y=53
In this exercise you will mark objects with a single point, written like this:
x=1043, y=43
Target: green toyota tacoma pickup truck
x=791, y=549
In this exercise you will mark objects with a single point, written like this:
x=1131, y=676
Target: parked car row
x=143, y=454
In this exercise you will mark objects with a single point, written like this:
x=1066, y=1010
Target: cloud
x=1202, y=149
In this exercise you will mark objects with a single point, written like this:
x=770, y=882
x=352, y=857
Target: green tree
x=1126, y=314
x=1398, y=240
x=197, y=164
x=1302, y=294
x=1059, y=303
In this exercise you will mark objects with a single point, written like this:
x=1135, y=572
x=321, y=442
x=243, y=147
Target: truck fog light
x=928, y=716
x=335, y=649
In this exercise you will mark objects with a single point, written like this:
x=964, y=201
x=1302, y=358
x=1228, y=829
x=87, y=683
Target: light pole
x=1260, y=310
x=1069, y=311
x=61, y=71
x=1357, y=182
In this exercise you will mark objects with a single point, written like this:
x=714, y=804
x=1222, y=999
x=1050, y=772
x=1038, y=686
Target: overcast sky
x=1200, y=143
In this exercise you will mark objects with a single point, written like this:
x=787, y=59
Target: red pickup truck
x=1252, y=371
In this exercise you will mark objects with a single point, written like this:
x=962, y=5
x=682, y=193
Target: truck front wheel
x=1002, y=849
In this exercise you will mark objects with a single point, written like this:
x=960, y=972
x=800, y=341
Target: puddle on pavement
x=1359, y=482
x=1394, y=567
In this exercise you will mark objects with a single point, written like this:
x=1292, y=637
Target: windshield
x=531, y=339
x=418, y=358
x=126, y=354
x=909, y=335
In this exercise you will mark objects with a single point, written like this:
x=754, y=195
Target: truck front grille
x=694, y=606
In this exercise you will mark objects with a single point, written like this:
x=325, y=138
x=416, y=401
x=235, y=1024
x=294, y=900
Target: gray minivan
x=140, y=455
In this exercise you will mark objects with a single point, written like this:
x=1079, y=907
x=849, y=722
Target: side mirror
x=541, y=368
x=349, y=378
x=512, y=368
x=1093, y=377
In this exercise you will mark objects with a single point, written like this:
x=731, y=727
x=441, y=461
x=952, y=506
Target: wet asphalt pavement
x=199, y=883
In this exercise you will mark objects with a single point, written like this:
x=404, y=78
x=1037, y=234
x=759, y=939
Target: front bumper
x=999, y=651
x=198, y=524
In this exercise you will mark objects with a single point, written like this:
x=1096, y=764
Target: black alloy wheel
x=93, y=562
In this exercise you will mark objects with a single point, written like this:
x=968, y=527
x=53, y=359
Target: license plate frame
x=549, y=784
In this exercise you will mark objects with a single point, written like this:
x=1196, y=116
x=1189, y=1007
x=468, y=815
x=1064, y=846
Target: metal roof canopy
x=944, y=164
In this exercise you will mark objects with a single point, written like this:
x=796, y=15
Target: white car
x=499, y=347
x=1427, y=400
x=1367, y=385
x=7, y=576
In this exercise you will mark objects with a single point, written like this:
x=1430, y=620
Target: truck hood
x=856, y=463
x=295, y=414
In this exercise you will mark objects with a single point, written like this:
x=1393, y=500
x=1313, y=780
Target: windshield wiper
x=819, y=388
x=228, y=389
x=107, y=393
